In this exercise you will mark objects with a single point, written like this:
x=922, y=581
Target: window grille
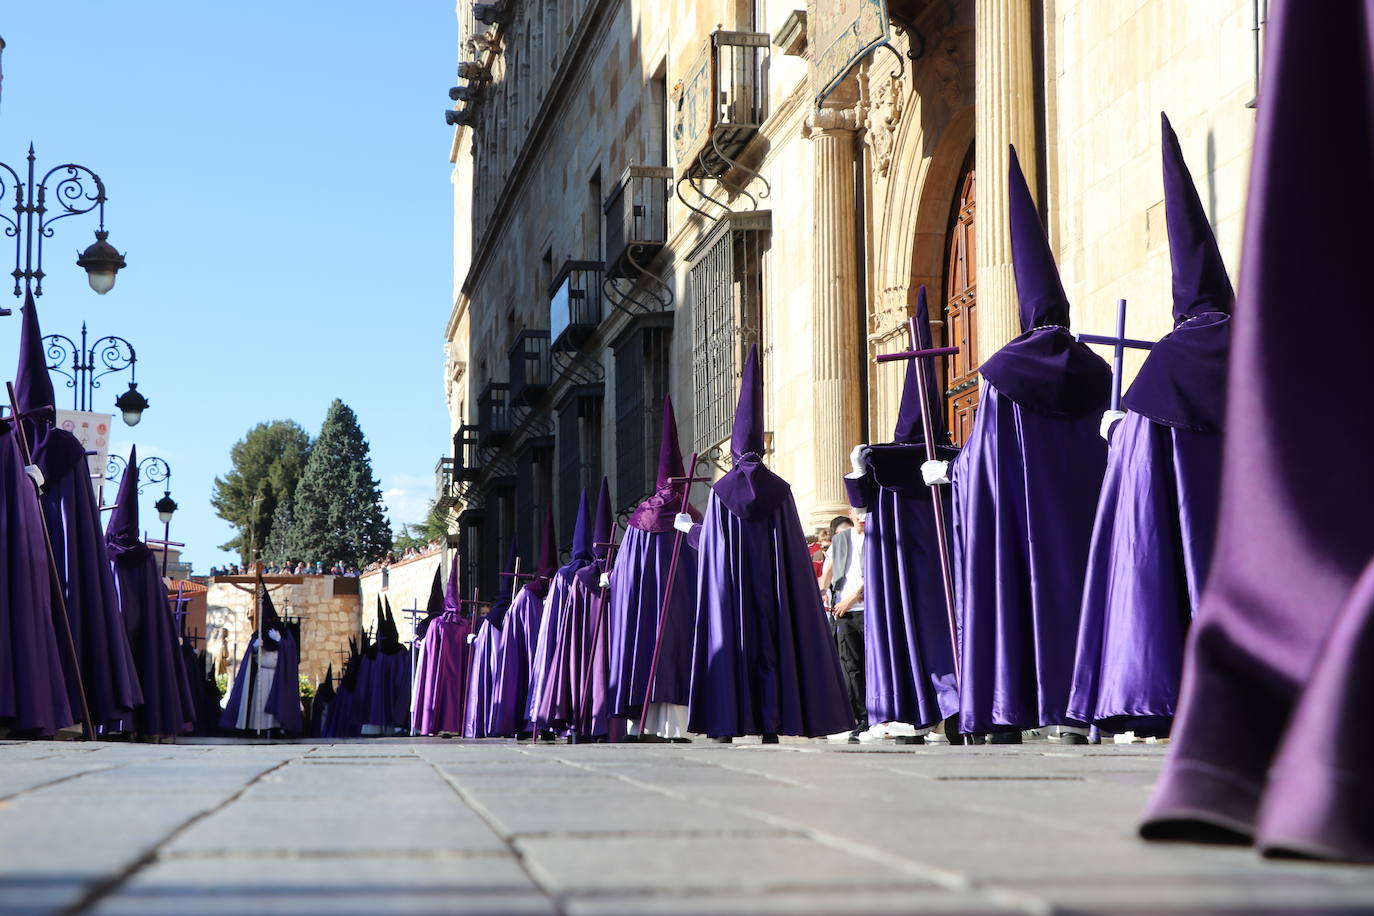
x=579, y=451
x=725, y=284
x=533, y=474
x=641, y=382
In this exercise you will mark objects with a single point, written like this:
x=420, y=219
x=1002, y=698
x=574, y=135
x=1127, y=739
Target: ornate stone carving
x=888, y=104
x=945, y=67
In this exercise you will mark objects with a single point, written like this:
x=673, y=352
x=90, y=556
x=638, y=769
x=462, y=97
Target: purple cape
x=543, y=667
x=1272, y=739
x=1151, y=548
x=638, y=584
x=764, y=661
x=515, y=650
x=167, y=705
x=33, y=692
x=442, y=678
x=486, y=654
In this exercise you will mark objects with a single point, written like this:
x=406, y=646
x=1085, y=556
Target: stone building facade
x=405, y=585
x=643, y=188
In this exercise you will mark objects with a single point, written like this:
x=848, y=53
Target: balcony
x=722, y=103
x=493, y=415
x=574, y=305
x=465, y=461
x=637, y=220
x=531, y=371
x=445, y=484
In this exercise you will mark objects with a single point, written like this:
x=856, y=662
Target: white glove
x=935, y=472
x=472, y=638
x=858, y=459
x=683, y=522
x=1109, y=418
x=36, y=474
x=605, y=580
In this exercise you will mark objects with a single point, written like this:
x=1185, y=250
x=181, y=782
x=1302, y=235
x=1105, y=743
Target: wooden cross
x=597, y=623
x=923, y=358
x=1119, y=343
x=516, y=573
x=668, y=587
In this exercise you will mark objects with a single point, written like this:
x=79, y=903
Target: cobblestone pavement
x=445, y=826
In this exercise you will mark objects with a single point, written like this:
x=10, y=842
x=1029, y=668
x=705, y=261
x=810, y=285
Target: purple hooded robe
x=543, y=673
x=167, y=704
x=69, y=504
x=512, y=676
x=284, y=696
x=908, y=658
x=639, y=582
x=764, y=662
x=441, y=687
x=1156, y=517
x=486, y=654
x=1272, y=741
x=1025, y=489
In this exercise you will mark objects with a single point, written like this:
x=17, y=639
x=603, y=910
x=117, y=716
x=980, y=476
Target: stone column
x=836, y=348
x=1004, y=97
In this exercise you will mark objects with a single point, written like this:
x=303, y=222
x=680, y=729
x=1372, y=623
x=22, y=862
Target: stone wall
x=329, y=605
x=406, y=585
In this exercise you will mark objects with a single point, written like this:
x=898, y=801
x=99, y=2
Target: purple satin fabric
x=638, y=583
x=510, y=690
x=102, y=645
x=551, y=624
x=441, y=687
x=764, y=661
x=908, y=659
x=33, y=691
x=167, y=705
x=385, y=689
x=486, y=654
x=1272, y=738
x=1047, y=371
x=284, y=699
x=1025, y=491
x=561, y=701
x=1182, y=382
x=1152, y=546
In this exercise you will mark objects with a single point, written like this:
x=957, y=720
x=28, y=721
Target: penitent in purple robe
x=543, y=670
x=1025, y=490
x=511, y=676
x=1156, y=517
x=445, y=655
x=639, y=583
x=270, y=665
x=33, y=692
x=69, y=504
x=764, y=662
x=385, y=677
x=486, y=655
x=167, y=705
x=1272, y=741
x=908, y=657
x=341, y=719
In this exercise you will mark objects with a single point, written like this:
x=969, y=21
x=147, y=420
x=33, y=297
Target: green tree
x=338, y=505
x=274, y=550
x=419, y=534
x=265, y=465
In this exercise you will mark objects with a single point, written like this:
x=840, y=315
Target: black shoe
x=679, y=740
x=1071, y=738
x=1004, y=738
x=723, y=739
x=768, y=739
x=911, y=739
x=630, y=739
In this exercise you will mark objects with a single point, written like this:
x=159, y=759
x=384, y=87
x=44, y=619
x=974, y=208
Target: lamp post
x=157, y=471
x=75, y=190
x=85, y=365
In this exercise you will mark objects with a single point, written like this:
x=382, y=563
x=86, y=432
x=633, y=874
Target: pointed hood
x=434, y=607
x=750, y=490
x=656, y=513
x=547, y=564
x=122, y=541
x=1038, y=287
x=496, y=614
x=1182, y=382
x=582, y=535
x=909, y=430
x=605, y=519
x=1200, y=281
x=669, y=452
x=388, y=636
x=325, y=692
x=33, y=387
x=452, y=598
x=1045, y=369
x=746, y=438
x=269, y=621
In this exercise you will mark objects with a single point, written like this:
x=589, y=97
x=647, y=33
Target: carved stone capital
x=827, y=121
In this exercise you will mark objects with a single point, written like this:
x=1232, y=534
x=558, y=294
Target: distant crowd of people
x=287, y=569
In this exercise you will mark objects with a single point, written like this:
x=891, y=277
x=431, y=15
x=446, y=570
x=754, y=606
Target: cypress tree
x=337, y=508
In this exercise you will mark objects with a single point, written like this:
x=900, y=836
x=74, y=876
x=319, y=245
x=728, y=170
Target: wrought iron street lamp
x=85, y=365
x=75, y=190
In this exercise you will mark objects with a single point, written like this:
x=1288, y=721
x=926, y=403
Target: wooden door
x=961, y=312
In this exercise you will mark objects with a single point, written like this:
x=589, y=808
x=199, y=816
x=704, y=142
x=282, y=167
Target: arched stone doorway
x=960, y=325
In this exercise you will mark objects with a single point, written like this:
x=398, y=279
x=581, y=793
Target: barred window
x=726, y=295
x=641, y=383
x=579, y=451
x=533, y=490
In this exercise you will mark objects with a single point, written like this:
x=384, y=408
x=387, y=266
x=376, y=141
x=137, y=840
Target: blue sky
x=278, y=175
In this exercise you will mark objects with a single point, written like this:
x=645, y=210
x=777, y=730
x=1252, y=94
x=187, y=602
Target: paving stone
x=820, y=903
x=338, y=886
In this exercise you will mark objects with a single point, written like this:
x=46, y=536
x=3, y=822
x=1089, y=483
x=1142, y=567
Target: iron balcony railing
x=467, y=466
x=722, y=103
x=637, y=220
x=531, y=370
x=493, y=415
x=575, y=304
